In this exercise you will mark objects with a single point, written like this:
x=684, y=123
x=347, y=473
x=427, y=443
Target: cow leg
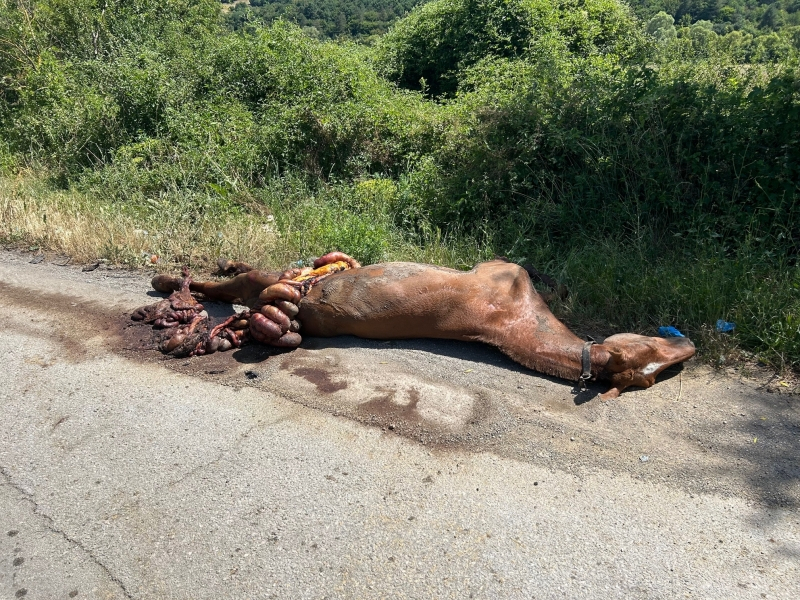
x=243, y=288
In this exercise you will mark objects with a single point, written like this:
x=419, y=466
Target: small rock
x=91, y=267
x=391, y=426
x=251, y=374
x=644, y=458
x=572, y=439
x=35, y=261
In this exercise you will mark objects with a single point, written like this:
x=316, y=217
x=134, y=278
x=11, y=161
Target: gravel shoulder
x=356, y=469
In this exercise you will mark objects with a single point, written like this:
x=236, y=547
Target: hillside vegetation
x=357, y=19
x=750, y=16
x=364, y=19
x=654, y=169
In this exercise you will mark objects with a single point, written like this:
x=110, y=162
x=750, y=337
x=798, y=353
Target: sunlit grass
x=285, y=223
x=33, y=215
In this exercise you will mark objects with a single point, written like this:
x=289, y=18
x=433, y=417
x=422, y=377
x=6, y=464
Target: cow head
x=636, y=360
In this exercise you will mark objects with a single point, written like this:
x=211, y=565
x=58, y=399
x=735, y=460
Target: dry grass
x=33, y=215
x=87, y=228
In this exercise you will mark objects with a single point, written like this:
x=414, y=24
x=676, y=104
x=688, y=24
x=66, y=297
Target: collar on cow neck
x=586, y=364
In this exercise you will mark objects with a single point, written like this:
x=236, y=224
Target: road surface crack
x=50, y=524
x=220, y=455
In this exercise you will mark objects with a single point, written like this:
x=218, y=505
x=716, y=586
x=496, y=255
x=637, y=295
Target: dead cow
x=494, y=303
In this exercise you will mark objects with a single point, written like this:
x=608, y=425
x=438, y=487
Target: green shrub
x=429, y=48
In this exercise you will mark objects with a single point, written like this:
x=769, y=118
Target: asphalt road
x=359, y=469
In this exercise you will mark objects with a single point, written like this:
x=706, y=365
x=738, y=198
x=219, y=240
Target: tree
x=662, y=28
x=772, y=19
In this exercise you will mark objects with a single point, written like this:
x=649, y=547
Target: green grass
x=270, y=227
x=629, y=288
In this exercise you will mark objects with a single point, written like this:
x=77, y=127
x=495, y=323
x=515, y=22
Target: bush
x=429, y=48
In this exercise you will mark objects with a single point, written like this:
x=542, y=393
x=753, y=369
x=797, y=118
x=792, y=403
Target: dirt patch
x=77, y=326
x=384, y=394
x=695, y=428
x=322, y=379
x=385, y=407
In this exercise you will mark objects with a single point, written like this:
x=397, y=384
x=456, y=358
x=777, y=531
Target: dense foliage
x=771, y=38
x=727, y=15
x=358, y=19
x=434, y=46
x=361, y=19
x=653, y=167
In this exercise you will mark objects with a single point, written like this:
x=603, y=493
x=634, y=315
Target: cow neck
x=547, y=346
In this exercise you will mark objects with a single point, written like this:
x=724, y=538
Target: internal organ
x=271, y=320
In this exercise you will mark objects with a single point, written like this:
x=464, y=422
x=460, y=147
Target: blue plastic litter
x=725, y=326
x=669, y=331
